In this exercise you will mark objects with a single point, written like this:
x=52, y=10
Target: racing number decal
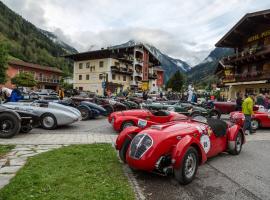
x=205, y=142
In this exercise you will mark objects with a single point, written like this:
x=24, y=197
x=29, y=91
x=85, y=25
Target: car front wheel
x=123, y=150
x=238, y=145
x=48, y=121
x=9, y=125
x=255, y=124
x=187, y=171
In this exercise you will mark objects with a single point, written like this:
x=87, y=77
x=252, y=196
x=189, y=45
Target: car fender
x=232, y=133
x=181, y=148
x=128, y=132
x=13, y=112
x=120, y=119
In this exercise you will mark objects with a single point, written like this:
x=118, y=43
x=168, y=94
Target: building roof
x=109, y=52
x=34, y=66
x=247, y=24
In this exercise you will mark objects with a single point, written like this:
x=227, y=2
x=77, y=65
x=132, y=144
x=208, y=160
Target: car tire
x=84, y=113
x=126, y=124
x=9, y=125
x=26, y=129
x=123, y=150
x=238, y=144
x=255, y=124
x=214, y=114
x=109, y=109
x=187, y=171
x=48, y=121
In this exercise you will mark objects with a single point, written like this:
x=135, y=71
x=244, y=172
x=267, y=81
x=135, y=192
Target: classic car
x=183, y=108
x=109, y=105
x=225, y=107
x=51, y=114
x=178, y=147
x=141, y=118
x=11, y=122
x=260, y=119
x=88, y=109
x=129, y=104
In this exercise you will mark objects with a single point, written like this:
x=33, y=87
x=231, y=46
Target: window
x=80, y=65
x=88, y=65
x=92, y=68
x=100, y=76
x=124, y=78
x=131, y=78
x=81, y=88
x=117, y=64
x=101, y=63
x=119, y=77
x=113, y=77
x=87, y=76
x=80, y=77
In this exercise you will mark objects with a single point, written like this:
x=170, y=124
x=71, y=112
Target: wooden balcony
x=152, y=76
x=121, y=70
x=249, y=56
x=246, y=77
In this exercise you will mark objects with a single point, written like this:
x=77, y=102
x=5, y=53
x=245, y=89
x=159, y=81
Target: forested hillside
x=27, y=42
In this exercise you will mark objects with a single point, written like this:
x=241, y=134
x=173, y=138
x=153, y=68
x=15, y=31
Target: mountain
x=169, y=64
x=28, y=43
x=203, y=73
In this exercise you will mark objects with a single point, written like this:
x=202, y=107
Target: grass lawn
x=75, y=172
x=5, y=149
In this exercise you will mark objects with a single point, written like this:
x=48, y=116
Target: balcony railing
x=246, y=77
x=152, y=76
x=247, y=55
x=121, y=70
x=47, y=80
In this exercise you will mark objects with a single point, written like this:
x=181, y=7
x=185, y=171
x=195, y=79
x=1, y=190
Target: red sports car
x=178, y=147
x=260, y=119
x=141, y=118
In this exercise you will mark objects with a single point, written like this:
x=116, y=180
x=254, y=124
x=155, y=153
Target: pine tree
x=176, y=82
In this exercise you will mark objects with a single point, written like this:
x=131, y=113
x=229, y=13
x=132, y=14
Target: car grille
x=139, y=145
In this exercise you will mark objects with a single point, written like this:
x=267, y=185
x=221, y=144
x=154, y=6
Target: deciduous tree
x=3, y=63
x=24, y=79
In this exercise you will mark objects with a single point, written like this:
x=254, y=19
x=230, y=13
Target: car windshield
x=160, y=113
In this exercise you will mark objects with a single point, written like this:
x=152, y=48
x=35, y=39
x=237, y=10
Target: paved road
x=246, y=176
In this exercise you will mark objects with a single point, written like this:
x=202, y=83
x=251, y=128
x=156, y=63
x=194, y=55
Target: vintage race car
x=51, y=114
x=260, y=119
x=88, y=110
x=109, y=105
x=141, y=118
x=13, y=122
x=178, y=147
x=183, y=108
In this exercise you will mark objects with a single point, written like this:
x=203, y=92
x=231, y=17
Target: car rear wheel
x=85, y=113
x=187, y=171
x=26, y=128
x=123, y=150
x=126, y=124
x=255, y=124
x=48, y=121
x=9, y=125
x=109, y=109
x=238, y=144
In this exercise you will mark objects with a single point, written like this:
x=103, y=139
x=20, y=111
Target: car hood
x=136, y=112
x=93, y=105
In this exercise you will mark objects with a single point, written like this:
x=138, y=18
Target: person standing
x=266, y=101
x=247, y=109
x=260, y=100
x=61, y=94
x=239, y=101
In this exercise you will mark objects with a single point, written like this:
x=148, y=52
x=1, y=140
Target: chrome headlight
x=139, y=145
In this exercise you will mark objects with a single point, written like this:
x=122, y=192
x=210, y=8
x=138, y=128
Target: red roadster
x=141, y=118
x=178, y=147
x=260, y=119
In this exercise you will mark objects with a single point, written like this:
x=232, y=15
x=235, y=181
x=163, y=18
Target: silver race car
x=51, y=114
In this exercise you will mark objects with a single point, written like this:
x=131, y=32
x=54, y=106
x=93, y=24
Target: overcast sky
x=185, y=29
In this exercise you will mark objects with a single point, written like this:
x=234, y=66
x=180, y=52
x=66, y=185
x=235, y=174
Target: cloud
x=181, y=29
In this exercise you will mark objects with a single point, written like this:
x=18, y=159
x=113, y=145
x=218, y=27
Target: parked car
x=178, y=147
x=11, y=122
x=88, y=109
x=108, y=104
x=129, y=104
x=260, y=119
x=183, y=108
x=141, y=118
x=225, y=107
x=51, y=114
